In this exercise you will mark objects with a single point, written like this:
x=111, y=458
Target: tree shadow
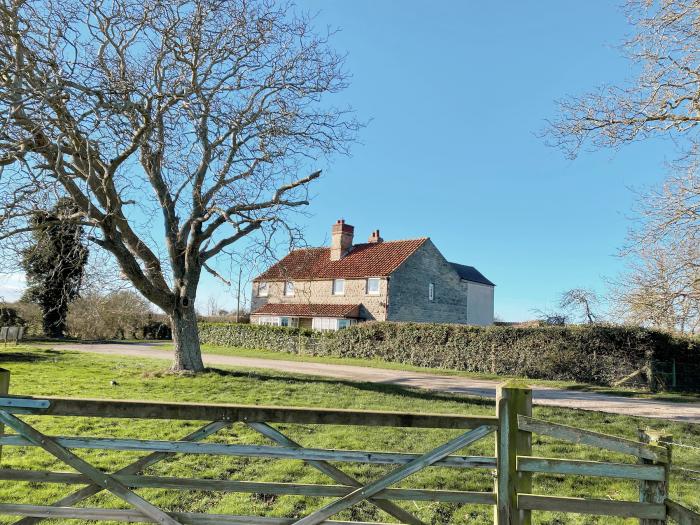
x=379, y=388
x=27, y=357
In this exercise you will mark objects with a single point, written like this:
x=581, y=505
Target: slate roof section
x=363, y=260
x=310, y=310
x=469, y=273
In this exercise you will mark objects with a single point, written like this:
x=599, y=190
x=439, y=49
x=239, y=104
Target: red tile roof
x=363, y=260
x=309, y=310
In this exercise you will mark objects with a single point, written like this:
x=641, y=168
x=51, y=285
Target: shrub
x=22, y=314
x=118, y=315
x=157, y=330
x=594, y=354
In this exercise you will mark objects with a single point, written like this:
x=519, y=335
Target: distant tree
x=121, y=314
x=550, y=318
x=582, y=303
x=54, y=265
x=661, y=287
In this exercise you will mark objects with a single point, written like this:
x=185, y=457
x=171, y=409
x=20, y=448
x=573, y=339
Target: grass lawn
x=46, y=372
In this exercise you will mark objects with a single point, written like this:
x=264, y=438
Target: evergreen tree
x=54, y=265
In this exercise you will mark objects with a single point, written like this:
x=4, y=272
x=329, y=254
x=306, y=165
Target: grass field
x=46, y=372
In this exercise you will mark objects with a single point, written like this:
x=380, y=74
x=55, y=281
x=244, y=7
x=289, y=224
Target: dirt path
x=684, y=412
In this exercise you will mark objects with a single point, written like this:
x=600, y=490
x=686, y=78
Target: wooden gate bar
x=335, y=473
x=134, y=468
x=98, y=477
x=186, y=518
x=397, y=475
x=600, y=507
x=680, y=514
x=591, y=468
x=594, y=439
x=110, y=408
x=262, y=487
x=346, y=456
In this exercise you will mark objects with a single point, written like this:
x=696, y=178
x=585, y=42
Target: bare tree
x=663, y=99
x=662, y=285
x=658, y=290
x=582, y=303
x=176, y=128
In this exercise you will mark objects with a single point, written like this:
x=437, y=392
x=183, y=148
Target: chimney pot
x=375, y=237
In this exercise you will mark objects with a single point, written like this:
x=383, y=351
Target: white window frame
x=379, y=286
x=431, y=292
x=263, y=289
x=334, y=289
x=289, y=288
x=268, y=320
x=331, y=324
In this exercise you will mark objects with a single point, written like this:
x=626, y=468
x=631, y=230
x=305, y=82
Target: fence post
x=4, y=390
x=512, y=400
x=655, y=491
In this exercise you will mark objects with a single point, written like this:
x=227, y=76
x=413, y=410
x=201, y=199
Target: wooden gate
x=513, y=462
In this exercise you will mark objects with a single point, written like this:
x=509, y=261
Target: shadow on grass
x=27, y=357
x=380, y=388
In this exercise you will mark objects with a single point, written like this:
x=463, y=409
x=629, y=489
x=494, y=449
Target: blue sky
x=456, y=92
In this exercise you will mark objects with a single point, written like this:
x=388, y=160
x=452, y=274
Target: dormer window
x=289, y=288
x=263, y=289
x=338, y=286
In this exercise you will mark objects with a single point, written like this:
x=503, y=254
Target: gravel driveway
x=684, y=412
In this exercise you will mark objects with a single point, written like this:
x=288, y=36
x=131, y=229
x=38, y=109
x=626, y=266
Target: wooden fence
x=513, y=462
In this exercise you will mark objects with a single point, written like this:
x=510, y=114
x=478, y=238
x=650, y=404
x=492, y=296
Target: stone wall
x=320, y=292
x=408, y=290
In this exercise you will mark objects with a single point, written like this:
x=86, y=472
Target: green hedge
x=594, y=354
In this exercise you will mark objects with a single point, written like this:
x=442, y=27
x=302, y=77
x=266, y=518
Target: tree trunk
x=188, y=355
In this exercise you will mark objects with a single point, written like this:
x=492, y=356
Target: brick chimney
x=341, y=239
x=375, y=237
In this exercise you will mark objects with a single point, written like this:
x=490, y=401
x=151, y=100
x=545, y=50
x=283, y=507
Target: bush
x=118, y=315
x=157, y=330
x=10, y=317
x=22, y=314
x=593, y=354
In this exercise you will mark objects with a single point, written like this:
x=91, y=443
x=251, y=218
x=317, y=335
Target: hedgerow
x=596, y=354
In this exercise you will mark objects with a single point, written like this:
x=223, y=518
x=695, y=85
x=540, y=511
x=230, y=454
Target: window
x=330, y=323
x=269, y=320
x=292, y=322
x=431, y=292
x=339, y=287
x=263, y=289
x=373, y=286
x=324, y=323
x=289, y=288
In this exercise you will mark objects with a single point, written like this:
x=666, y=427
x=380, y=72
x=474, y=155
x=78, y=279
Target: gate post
x=655, y=491
x=512, y=399
x=4, y=389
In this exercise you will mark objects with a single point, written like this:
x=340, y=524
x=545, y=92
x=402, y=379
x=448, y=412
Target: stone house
x=333, y=287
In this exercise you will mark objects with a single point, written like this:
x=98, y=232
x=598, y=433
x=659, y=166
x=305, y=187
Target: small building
x=333, y=287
